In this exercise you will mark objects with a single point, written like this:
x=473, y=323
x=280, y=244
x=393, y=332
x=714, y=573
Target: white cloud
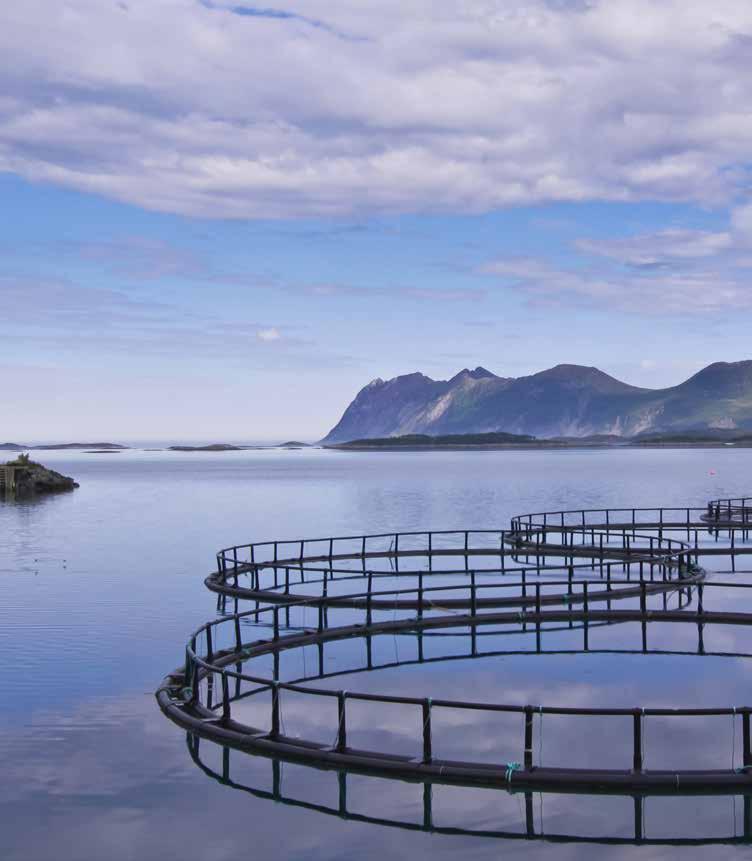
x=371, y=107
x=268, y=335
x=667, y=247
x=650, y=292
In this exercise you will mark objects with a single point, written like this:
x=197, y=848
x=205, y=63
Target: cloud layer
x=223, y=109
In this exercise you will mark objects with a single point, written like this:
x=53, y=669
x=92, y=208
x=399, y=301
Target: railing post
x=342, y=730
x=528, y=758
x=637, y=732
x=225, y=699
x=427, y=807
x=638, y=802
x=275, y=613
x=209, y=649
x=427, y=751
x=747, y=742
x=275, y=710
x=342, y=781
x=586, y=610
x=643, y=613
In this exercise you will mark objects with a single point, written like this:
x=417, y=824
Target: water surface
x=101, y=587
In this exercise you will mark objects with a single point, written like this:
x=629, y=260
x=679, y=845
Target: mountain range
x=564, y=401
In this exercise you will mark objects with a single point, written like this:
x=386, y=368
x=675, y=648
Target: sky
x=219, y=220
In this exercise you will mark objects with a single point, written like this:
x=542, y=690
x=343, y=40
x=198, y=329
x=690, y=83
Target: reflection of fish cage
x=574, y=571
x=530, y=824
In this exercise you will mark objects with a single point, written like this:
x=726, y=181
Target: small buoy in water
x=712, y=472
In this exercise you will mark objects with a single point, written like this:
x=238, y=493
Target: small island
x=418, y=440
x=63, y=446
x=217, y=446
x=24, y=477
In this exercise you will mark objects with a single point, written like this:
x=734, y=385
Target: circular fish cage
x=734, y=512
x=280, y=572
x=578, y=571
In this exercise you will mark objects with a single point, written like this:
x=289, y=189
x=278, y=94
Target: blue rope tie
x=511, y=768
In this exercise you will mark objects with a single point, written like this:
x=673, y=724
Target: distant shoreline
x=546, y=446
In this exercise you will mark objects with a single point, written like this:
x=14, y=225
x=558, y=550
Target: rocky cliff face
x=33, y=478
x=568, y=400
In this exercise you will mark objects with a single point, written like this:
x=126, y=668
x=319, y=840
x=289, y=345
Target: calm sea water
x=101, y=587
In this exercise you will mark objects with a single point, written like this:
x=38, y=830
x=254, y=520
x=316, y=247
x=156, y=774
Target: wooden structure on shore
x=9, y=478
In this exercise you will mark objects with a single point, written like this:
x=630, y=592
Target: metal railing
x=588, y=546
x=598, y=550
x=219, y=665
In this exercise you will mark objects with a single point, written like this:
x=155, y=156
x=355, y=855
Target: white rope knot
x=510, y=770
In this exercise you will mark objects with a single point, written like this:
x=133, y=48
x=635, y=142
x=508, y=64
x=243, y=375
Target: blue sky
x=221, y=226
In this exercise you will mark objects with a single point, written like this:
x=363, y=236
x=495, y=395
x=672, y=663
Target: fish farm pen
x=613, y=579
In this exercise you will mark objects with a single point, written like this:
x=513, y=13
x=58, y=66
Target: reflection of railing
x=533, y=826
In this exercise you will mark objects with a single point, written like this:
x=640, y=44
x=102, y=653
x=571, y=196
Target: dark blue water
x=101, y=587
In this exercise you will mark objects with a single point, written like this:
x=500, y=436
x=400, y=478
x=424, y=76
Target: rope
x=540, y=814
x=428, y=716
x=511, y=767
x=540, y=738
x=275, y=684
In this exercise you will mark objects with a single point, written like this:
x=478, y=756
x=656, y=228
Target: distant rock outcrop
x=567, y=400
x=63, y=446
x=25, y=477
x=217, y=446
